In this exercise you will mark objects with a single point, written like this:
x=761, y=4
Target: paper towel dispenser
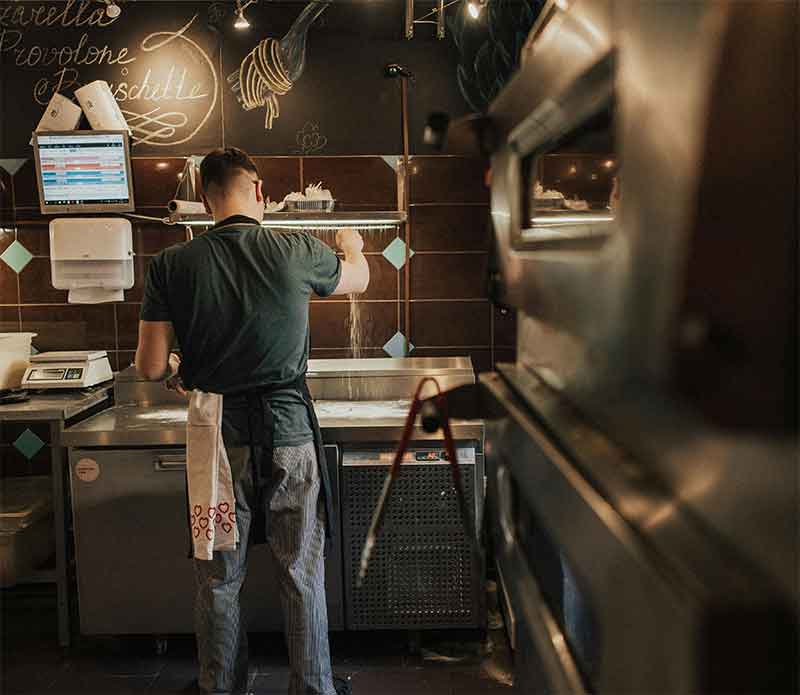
x=92, y=258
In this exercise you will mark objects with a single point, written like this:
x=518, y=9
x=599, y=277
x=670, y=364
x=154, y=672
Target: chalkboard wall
x=168, y=63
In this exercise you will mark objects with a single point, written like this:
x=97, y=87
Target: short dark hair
x=219, y=167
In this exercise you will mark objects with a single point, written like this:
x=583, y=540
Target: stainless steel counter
x=52, y=405
x=165, y=425
x=58, y=408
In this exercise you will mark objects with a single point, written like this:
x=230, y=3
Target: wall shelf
x=311, y=220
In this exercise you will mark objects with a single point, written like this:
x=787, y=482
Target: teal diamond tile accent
x=395, y=253
x=16, y=256
x=28, y=444
x=396, y=345
x=12, y=166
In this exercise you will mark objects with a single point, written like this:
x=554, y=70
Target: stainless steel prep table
x=59, y=410
x=130, y=521
x=165, y=425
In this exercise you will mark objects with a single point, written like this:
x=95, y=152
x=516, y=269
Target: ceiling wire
x=435, y=10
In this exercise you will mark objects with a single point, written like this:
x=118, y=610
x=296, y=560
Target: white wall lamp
x=112, y=9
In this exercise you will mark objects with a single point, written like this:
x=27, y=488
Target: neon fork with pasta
x=273, y=66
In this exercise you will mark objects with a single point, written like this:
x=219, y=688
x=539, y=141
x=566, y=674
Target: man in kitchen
x=236, y=298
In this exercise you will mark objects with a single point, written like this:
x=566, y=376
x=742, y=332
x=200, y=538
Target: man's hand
x=349, y=241
x=173, y=381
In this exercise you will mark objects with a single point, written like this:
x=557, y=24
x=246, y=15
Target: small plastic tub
x=15, y=354
x=26, y=528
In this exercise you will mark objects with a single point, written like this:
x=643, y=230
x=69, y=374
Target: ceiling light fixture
x=474, y=8
x=240, y=22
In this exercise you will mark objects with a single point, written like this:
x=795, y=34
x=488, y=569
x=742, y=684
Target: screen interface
x=84, y=168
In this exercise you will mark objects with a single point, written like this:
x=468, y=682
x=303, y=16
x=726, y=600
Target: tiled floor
x=379, y=663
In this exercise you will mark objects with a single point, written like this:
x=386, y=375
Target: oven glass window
x=571, y=189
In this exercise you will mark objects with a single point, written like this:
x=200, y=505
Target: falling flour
x=355, y=327
x=355, y=341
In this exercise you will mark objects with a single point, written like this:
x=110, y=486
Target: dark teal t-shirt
x=238, y=297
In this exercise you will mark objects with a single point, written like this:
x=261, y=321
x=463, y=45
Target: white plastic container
x=15, y=353
x=26, y=529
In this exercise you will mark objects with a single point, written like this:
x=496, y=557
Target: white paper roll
x=61, y=114
x=101, y=107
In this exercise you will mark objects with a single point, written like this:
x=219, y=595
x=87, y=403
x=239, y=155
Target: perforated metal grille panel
x=421, y=573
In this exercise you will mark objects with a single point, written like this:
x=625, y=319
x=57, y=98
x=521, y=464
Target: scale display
x=84, y=171
x=72, y=374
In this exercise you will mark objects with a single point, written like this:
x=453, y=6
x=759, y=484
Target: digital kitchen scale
x=75, y=369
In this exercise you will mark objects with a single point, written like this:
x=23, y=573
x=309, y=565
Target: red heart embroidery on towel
x=227, y=527
x=224, y=507
x=203, y=522
x=218, y=519
x=196, y=532
x=208, y=535
x=232, y=516
x=211, y=512
x=198, y=510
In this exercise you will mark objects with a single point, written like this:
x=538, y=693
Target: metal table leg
x=60, y=528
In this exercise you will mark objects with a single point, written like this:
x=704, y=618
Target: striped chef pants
x=296, y=537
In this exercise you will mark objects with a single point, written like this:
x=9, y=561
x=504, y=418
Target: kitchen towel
x=212, y=507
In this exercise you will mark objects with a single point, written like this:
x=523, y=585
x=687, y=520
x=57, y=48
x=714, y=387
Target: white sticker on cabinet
x=87, y=470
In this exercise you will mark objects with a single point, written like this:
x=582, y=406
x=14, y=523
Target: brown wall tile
x=445, y=324
x=448, y=276
x=344, y=353
x=128, y=325
x=35, y=285
x=9, y=319
x=6, y=197
x=34, y=235
x=355, y=182
x=330, y=325
x=383, y=277
x=73, y=327
x=448, y=180
x=10, y=431
x=375, y=240
x=505, y=327
x=449, y=228
x=13, y=463
x=124, y=359
x=26, y=191
x=281, y=175
x=358, y=183
x=155, y=180
x=152, y=237
x=140, y=265
x=9, y=290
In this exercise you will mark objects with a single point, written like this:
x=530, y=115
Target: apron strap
x=327, y=490
x=261, y=433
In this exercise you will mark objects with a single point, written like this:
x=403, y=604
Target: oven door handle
x=537, y=620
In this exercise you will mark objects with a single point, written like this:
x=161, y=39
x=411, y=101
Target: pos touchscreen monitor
x=83, y=171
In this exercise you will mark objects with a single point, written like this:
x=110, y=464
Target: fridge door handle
x=166, y=463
